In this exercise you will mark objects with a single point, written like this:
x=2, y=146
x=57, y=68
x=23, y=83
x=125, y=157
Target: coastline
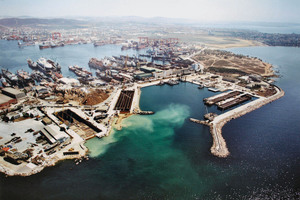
x=135, y=108
x=28, y=170
x=219, y=147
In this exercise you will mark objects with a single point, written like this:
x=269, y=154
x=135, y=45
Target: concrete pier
x=219, y=147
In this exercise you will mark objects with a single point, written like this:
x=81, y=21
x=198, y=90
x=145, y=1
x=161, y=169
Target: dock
x=213, y=89
x=146, y=113
x=199, y=121
x=234, y=102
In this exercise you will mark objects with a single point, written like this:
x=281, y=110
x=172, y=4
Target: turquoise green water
x=156, y=129
x=145, y=149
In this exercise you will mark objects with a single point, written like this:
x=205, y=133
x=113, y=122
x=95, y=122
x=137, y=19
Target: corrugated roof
x=12, y=91
x=50, y=138
x=4, y=98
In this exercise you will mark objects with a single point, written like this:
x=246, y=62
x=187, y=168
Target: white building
x=69, y=81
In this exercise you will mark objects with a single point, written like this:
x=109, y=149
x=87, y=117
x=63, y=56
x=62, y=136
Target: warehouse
x=5, y=101
x=54, y=135
x=13, y=93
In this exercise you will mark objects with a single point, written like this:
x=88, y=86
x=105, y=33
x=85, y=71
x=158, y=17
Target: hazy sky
x=204, y=10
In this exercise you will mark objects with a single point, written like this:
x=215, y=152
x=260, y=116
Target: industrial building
x=41, y=90
x=13, y=93
x=149, y=69
x=143, y=76
x=54, y=135
x=5, y=101
x=69, y=81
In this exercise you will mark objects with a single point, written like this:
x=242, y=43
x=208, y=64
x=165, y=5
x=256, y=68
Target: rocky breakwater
x=219, y=147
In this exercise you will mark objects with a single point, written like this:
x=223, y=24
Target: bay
x=165, y=156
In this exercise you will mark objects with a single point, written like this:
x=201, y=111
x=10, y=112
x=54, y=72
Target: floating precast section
x=217, y=98
x=235, y=102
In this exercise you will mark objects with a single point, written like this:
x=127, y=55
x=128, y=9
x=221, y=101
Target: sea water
x=165, y=156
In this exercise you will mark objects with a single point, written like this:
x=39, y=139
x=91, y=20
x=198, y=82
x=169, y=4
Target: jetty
x=146, y=113
x=213, y=89
x=219, y=147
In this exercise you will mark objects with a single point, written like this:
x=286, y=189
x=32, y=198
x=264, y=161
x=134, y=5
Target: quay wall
x=219, y=147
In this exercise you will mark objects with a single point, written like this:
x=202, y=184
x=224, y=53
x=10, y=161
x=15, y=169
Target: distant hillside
x=13, y=22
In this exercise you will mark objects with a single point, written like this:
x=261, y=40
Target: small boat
x=213, y=89
x=200, y=87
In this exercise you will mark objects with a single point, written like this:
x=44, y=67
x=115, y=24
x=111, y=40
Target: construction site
x=80, y=96
x=82, y=127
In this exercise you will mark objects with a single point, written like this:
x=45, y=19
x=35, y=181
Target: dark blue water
x=165, y=156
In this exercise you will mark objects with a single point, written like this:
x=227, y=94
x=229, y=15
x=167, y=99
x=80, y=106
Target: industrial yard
x=59, y=114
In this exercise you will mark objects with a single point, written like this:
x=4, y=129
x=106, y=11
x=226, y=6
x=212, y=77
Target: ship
x=54, y=45
x=47, y=66
x=201, y=87
x=55, y=65
x=74, y=68
x=11, y=78
x=86, y=71
x=58, y=75
x=24, y=77
x=79, y=71
x=97, y=64
x=103, y=76
x=31, y=64
x=44, y=45
x=172, y=82
x=37, y=75
x=4, y=82
x=99, y=43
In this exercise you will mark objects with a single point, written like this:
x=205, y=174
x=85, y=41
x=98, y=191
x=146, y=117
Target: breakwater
x=219, y=147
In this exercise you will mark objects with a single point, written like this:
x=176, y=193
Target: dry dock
x=125, y=100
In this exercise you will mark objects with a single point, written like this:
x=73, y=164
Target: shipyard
x=48, y=115
x=149, y=99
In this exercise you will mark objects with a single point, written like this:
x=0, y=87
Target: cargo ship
x=54, y=45
x=58, y=75
x=11, y=78
x=31, y=64
x=24, y=77
x=96, y=64
x=44, y=45
x=47, y=66
x=99, y=43
x=79, y=71
x=4, y=82
x=103, y=76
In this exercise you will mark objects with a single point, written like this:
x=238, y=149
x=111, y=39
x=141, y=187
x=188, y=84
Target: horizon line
x=190, y=20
